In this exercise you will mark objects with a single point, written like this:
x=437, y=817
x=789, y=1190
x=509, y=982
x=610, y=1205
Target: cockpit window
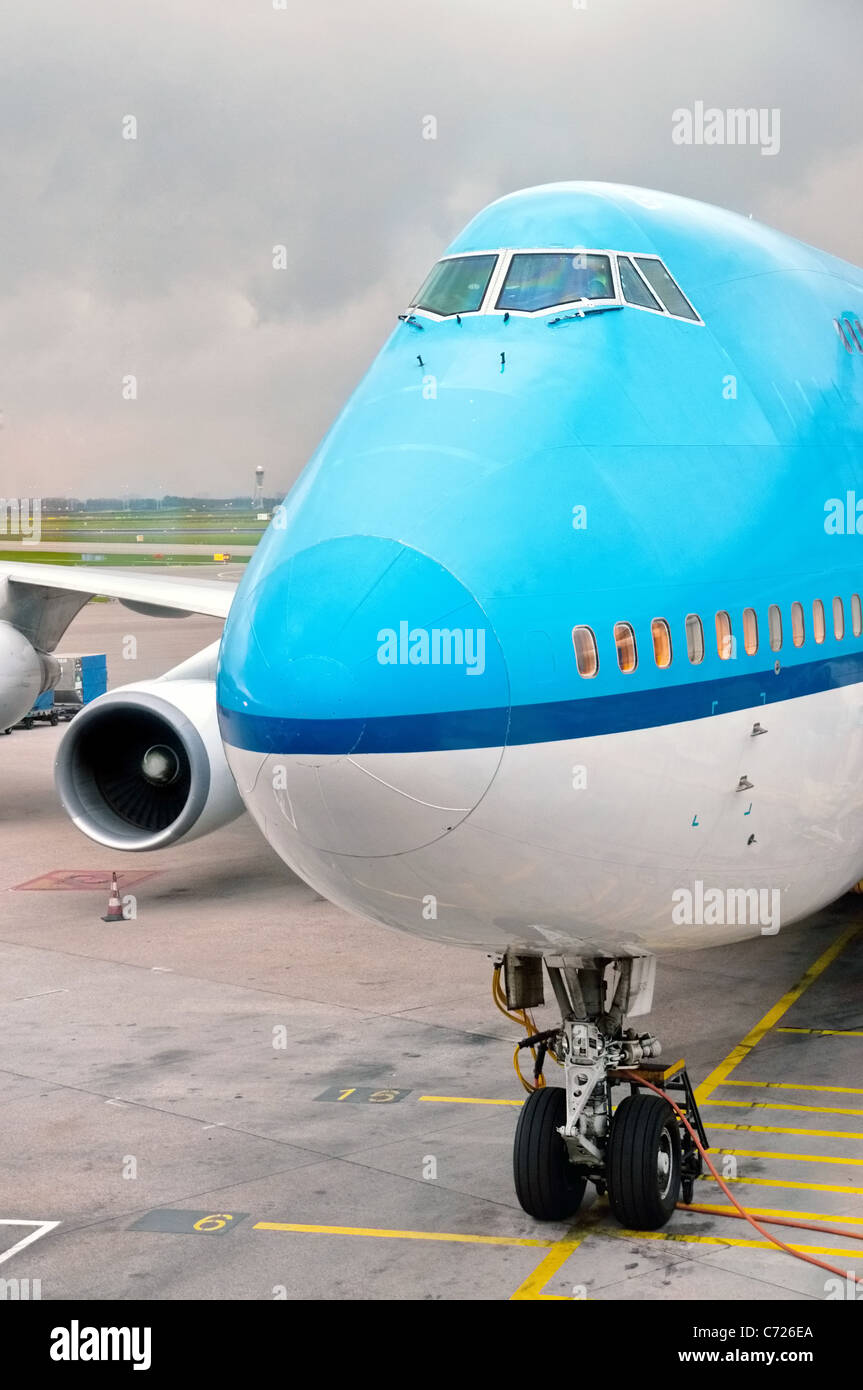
x=576, y=281
x=541, y=279
x=634, y=289
x=456, y=285
x=669, y=292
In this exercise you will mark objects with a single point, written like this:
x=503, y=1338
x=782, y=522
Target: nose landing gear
x=639, y=1152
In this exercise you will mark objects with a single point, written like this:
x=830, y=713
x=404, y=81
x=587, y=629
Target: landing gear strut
x=639, y=1151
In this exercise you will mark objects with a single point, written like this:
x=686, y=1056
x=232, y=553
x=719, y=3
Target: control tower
x=258, y=496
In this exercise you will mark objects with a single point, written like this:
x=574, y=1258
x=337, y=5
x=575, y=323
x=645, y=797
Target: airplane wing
x=41, y=600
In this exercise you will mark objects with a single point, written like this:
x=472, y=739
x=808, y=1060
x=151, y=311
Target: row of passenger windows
x=587, y=653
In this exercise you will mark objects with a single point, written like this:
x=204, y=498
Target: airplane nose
x=371, y=680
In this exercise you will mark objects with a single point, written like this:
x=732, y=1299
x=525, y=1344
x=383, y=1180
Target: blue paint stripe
x=538, y=723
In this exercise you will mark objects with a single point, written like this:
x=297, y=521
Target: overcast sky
x=303, y=126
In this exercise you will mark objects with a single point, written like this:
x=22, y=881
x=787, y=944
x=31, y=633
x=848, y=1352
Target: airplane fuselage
x=407, y=708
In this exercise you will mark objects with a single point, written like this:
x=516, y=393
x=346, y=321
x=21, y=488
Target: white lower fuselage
x=583, y=846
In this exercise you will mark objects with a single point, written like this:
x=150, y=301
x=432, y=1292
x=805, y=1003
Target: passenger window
x=798, y=626
x=818, y=620
x=540, y=279
x=456, y=286
x=661, y=633
x=694, y=639
x=668, y=291
x=856, y=615
x=724, y=638
x=627, y=655
x=774, y=627
x=838, y=619
x=634, y=289
x=750, y=631
x=586, y=655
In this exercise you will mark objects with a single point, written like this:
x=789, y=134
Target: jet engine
x=24, y=674
x=143, y=767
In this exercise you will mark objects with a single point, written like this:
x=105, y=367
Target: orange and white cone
x=115, y=905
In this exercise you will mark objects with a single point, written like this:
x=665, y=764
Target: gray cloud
x=302, y=127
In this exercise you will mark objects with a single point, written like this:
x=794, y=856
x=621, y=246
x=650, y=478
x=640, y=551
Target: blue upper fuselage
x=444, y=498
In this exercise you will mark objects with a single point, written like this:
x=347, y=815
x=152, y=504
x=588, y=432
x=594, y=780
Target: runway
x=96, y=546
x=245, y=1093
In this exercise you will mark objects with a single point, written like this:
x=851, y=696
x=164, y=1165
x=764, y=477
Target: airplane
x=553, y=650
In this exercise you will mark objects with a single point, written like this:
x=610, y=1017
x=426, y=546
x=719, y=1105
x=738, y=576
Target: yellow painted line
x=776, y=1129
x=471, y=1100
x=780, y=1105
x=826, y=1032
x=532, y=1288
x=666, y=1075
x=453, y=1237
x=848, y=1254
x=720, y=1074
x=787, y=1182
x=797, y=1158
x=795, y=1086
x=767, y=1212
x=558, y=1251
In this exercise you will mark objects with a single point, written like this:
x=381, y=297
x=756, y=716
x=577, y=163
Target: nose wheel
x=642, y=1162
x=547, y=1185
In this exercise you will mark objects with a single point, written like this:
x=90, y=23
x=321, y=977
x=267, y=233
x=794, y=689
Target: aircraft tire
x=547, y=1185
x=643, y=1162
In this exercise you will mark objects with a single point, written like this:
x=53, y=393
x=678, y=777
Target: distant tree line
x=155, y=504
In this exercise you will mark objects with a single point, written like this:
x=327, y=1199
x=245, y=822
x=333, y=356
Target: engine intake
x=143, y=766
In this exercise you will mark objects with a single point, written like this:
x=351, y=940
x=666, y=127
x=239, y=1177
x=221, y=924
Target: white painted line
x=42, y=1229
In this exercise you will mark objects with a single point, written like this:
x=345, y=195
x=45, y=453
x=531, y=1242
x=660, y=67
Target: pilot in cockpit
x=591, y=278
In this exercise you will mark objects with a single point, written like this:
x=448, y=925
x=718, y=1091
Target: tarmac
x=243, y=1092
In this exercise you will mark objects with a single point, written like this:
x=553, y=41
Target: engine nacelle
x=143, y=766
x=24, y=674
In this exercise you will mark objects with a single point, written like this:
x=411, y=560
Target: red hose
x=745, y=1215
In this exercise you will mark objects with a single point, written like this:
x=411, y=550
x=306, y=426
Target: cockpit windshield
x=512, y=282
x=456, y=286
x=540, y=279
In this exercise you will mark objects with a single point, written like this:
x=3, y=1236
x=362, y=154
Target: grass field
x=240, y=524
x=219, y=530
x=70, y=557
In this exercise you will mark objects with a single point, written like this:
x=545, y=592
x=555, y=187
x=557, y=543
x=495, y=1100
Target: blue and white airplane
x=555, y=648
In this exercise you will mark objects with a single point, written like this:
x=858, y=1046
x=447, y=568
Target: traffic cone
x=115, y=906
